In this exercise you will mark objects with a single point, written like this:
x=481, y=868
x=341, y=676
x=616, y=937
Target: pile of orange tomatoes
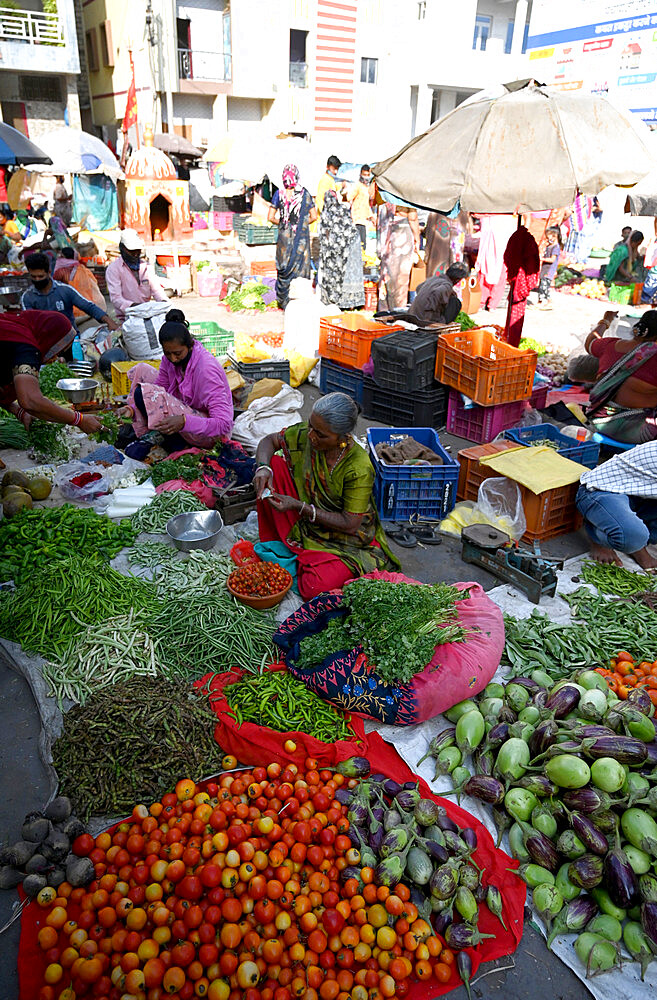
x=234, y=892
x=625, y=673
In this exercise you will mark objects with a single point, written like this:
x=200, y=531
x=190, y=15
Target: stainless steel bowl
x=78, y=390
x=198, y=530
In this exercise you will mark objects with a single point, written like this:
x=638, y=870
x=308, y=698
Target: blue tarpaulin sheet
x=95, y=204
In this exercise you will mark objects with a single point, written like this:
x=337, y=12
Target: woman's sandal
x=400, y=534
x=426, y=534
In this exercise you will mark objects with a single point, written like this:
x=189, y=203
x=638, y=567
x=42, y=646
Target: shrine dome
x=149, y=162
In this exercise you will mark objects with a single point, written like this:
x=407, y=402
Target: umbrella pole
x=512, y=285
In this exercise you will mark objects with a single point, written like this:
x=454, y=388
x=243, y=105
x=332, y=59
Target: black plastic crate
x=405, y=360
x=337, y=378
x=262, y=369
x=423, y=408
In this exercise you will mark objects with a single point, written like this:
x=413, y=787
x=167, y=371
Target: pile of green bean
x=281, y=702
x=131, y=742
x=33, y=538
x=612, y=579
x=100, y=655
x=51, y=606
x=172, y=571
x=616, y=624
x=197, y=632
x=154, y=516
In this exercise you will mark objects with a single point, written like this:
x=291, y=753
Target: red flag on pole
x=130, y=117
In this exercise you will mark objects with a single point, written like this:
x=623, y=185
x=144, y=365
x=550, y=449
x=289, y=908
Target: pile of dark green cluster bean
x=612, y=579
x=279, y=701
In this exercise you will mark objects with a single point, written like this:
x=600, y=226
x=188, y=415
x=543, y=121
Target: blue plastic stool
x=609, y=443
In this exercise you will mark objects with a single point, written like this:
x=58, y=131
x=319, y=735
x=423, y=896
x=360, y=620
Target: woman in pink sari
x=188, y=400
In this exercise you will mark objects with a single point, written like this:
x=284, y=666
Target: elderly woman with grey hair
x=316, y=499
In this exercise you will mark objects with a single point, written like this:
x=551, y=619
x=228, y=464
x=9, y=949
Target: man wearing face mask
x=130, y=280
x=49, y=295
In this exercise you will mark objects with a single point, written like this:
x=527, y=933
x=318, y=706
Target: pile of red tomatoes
x=234, y=892
x=259, y=579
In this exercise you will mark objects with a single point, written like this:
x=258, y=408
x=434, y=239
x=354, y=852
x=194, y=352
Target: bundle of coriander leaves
x=398, y=626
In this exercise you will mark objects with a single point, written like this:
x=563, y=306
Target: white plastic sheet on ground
x=411, y=743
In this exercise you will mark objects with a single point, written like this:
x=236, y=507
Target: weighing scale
x=526, y=569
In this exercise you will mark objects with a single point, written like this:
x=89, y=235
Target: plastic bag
x=268, y=415
x=84, y=490
x=250, y=351
x=500, y=501
x=300, y=367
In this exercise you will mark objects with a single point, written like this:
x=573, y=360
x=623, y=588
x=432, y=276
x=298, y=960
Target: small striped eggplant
x=497, y=736
x=442, y=920
x=485, y=788
x=541, y=786
x=648, y=888
x=460, y=936
x=620, y=880
x=587, y=871
x=563, y=701
x=494, y=903
x=624, y=749
x=570, y=846
x=640, y=699
x=446, y=824
x=541, y=849
x=446, y=738
x=502, y=821
x=464, y=966
x=573, y=917
x=588, y=833
x=543, y=737
x=443, y=883
x=484, y=761
x=586, y=800
x=448, y=758
x=649, y=921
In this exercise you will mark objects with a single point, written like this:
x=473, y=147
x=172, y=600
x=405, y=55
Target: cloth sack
x=268, y=415
x=456, y=671
x=140, y=329
x=407, y=451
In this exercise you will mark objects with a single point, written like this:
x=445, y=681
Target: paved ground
x=24, y=782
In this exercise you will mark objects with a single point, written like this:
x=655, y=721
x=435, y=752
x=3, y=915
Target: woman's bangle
x=314, y=513
x=263, y=465
x=20, y=413
x=77, y=419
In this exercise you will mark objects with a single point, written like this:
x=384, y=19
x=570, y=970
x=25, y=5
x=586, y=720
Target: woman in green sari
x=317, y=498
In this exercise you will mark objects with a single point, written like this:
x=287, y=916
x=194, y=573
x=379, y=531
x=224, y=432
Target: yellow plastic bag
x=300, y=367
x=249, y=351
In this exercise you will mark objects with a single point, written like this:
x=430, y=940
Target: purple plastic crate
x=481, y=423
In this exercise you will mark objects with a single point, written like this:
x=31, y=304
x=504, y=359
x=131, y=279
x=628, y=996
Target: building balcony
x=206, y=66
x=37, y=41
x=298, y=75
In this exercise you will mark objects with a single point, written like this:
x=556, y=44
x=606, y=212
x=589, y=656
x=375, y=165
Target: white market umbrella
x=530, y=149
x=75, y=152
x=244, y=159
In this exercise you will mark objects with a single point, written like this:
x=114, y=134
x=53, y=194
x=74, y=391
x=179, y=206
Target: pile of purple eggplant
x=402, y=835
x=570, y=774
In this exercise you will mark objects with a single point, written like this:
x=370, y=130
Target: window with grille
x=40, y=88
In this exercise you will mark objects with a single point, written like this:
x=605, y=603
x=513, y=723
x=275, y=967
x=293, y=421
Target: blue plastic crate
x=403, y=490
x=337, y=378
x=585, y=452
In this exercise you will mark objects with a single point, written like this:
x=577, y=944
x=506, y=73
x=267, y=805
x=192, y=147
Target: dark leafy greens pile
x=398, y=626
x=186, y=467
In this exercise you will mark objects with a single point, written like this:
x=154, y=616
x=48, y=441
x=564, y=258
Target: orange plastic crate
x=547, y=514
x=348, y=338
x=484, y=368
x=263, y=267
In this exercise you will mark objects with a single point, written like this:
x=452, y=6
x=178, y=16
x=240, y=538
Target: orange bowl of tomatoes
x=260, y=585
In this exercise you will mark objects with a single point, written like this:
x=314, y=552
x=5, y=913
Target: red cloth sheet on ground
x=317, y=572
x=386, y=760
x=523, y=264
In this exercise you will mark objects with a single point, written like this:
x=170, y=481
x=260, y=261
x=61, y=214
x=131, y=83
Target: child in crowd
x=549, y=264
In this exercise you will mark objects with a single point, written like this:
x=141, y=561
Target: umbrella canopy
x=72, y=151
x=642, y=199
x=532, y=148
x=16, y=148
x=169, y=142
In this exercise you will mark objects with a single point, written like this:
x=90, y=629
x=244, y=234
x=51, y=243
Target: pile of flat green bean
x=612, y=579
x=154, y=516
x=131, y=742
x=197, y=632
x=34, y=538
x=52, y=605
x=173, y=571
x=100, y=655
x=599, y=629
x=281, y=702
